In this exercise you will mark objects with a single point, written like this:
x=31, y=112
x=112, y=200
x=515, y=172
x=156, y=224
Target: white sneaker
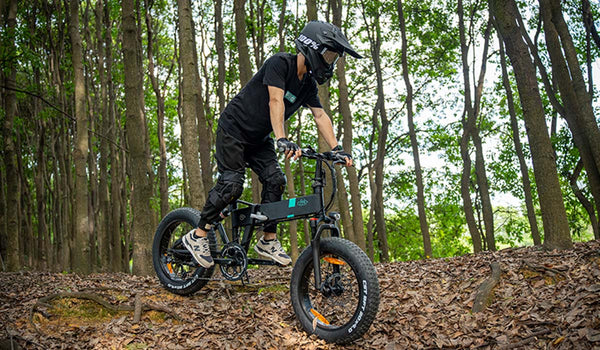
x=272, y=250
x=199, y=249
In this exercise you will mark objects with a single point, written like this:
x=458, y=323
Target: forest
x=472, y=124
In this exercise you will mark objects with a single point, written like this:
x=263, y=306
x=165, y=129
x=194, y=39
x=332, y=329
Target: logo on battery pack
x=301, y=202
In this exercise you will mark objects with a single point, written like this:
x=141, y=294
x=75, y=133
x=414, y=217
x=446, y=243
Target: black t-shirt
x=247, y=116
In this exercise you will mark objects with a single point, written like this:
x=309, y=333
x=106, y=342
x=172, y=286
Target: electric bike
x=334, y=287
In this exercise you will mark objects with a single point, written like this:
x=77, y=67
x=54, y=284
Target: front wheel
x=344, y=308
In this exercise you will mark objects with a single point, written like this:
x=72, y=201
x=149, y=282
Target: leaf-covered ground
x=544, y=300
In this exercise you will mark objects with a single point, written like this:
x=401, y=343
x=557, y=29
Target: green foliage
x=44, y=68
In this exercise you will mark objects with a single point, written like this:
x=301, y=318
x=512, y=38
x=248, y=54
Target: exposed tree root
x=484, y=292
x=525, y=341
x=138, y=306
x=544, y=269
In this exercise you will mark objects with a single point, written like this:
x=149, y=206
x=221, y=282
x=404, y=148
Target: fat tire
x=201, y=276
x=364, y=270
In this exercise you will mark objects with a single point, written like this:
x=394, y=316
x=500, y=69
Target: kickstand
x=245, y=278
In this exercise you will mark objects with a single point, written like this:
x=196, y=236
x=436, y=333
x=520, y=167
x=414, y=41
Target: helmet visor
x=331, y=57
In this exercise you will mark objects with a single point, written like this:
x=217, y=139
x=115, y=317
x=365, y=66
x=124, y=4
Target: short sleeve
x=275, y=72
x=312, y=98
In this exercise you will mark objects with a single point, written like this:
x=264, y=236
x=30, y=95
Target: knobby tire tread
x=359, y=261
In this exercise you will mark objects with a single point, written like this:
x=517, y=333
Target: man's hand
x=339, y=151
x=289, y=148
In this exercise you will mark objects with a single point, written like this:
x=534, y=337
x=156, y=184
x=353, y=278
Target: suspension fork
x=316, y=247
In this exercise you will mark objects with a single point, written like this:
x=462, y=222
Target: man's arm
x=324, y=125
x=326, y=128
x=277, y=110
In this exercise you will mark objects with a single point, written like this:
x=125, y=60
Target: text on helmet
x=308, y=41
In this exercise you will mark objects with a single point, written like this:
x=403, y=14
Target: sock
x=268, y=240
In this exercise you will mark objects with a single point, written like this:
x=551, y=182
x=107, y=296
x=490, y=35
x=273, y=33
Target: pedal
x=259, y=217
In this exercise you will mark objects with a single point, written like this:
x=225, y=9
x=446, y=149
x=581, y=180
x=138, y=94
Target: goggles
x=331, y=57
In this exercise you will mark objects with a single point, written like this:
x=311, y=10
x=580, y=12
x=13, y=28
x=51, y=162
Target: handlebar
x=330, y=156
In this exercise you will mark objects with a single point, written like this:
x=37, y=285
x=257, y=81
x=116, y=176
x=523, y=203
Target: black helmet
x=323, y=44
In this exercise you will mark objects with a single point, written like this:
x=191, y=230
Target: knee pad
x=277, y=181
x=274, y=182
x=229, y=188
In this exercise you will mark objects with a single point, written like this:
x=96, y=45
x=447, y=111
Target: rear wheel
x=174, y=265
x=343, y=310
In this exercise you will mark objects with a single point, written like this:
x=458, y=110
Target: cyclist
x=283, y=84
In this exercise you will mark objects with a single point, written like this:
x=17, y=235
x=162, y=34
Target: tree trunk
x=587, y=205
x=281, y=28
x=160, y=113
x=568, y=112
x=577, y=101
x=413, y=139
x=115, y=243
x=137, y=141
x=81, y=249
x=220, y=46
x=482, y=181
x=465, y=183
x=191, y=89
x=205, y=135
x=535, y=233
x=302, y=181
x=293, y=224
x=103, y=197
x=40, y=196
x=257, y=31
x=25, y=208
x=588, y=21
x=13, y=192
x=556, y=226
x=245, y=69
x=374, y=34
x=311, y=10
x=355, y=194
x=370, y=223
x=353, y=225
x=3, y=233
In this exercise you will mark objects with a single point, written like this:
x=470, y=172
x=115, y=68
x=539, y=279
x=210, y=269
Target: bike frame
x=310, y=207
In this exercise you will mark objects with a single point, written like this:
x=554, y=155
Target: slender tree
x=577, y=101
x=13, y=191
x=482, y=180
x=587, y=205
x=137, y=141
x=381, y=126
x=535, y=233
x=220, y=46
x=413, y=138
x=556, y=227
x=189, y=90
x=347, y=140
x=115, y=245
x=465, y=183
x=245, y=69
x=568, y=108
x=81, y=248
x=160, y=111
x=103, y=187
